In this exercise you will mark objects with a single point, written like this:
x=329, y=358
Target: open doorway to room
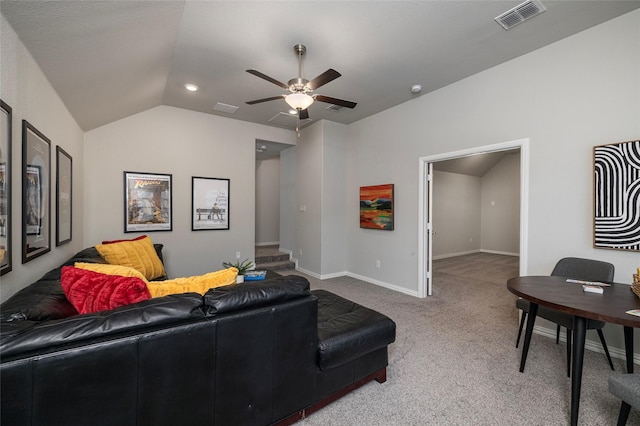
x=270, y=196
x=473, y=201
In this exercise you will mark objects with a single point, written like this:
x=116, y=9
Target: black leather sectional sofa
x=257, y=353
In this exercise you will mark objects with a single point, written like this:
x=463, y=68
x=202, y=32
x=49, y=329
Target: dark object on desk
x=581, y=269
x=627, y=388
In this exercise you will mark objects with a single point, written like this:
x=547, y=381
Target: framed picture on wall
x=64, y=215
x=36, y=200
x=617, y=196
x=147, y=202
x=5, y=188
x=376, y=207
x=209, y=204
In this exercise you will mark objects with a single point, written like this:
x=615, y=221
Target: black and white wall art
x=617, y=196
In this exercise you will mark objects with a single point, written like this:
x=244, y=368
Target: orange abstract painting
x=376, y=207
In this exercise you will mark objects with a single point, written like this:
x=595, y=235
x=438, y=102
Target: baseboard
x=383, y=284
x=588, y=344
x=305, y=271
x=462, y=253
x=504, y=253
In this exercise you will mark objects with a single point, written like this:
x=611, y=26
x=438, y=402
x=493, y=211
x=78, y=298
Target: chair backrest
x=584, y=269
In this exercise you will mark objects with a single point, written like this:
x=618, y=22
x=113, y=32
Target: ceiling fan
x=300, y=95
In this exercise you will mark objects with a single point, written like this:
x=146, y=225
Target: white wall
x=500, y=207
x=334, y=199
x=288, y=204
x=319, y=209
x=27, y=91
x=456, y=214
x=472, y=214
x=308, y=216
x=268, y=201
x=184, y=144
x=567, y=98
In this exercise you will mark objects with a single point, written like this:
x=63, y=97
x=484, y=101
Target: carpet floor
x=454, y=361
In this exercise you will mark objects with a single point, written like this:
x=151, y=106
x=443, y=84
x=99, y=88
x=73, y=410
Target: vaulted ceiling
x=110, y=59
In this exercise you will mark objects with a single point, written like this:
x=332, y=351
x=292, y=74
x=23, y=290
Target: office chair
x=627, y=388
x=580, y=269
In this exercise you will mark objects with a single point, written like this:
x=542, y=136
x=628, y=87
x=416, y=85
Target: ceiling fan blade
x=334, y=101
x=269, y=79
x=324, y=78
x=303, y=114
x=257, y=101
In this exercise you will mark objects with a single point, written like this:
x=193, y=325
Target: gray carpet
x=454, y=361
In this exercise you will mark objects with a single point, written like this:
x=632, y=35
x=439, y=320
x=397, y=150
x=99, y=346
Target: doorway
x=425, y=234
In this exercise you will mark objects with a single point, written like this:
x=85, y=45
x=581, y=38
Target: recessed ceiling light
x=191, y=87
x=293, y=111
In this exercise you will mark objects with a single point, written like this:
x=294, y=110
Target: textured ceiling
x=110, y=59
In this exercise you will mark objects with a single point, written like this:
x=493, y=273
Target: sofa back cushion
x=144, y=316
x=254, y=294
x=44, y=299
x=40, y=301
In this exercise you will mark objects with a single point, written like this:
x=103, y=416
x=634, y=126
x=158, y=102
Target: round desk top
x=555, y=292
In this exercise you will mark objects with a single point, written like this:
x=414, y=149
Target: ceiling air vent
x=333, y=107
x=229, y=109
x=520, y=13
x=288, y=120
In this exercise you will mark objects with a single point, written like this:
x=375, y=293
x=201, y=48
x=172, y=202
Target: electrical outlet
x=377, y=264
x=237, y=255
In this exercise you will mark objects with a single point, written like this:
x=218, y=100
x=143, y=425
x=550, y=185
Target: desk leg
x=579, y=332
x=628, y=347
x=531, y=319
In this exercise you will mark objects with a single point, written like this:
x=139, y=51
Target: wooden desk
x=556, y=293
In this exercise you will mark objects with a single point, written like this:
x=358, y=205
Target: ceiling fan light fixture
x=298, y=101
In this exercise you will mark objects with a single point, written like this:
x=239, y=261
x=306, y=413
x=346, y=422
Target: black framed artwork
x=209, y=203
x=36, y=200
x=617, y=196
x=64, y=208
x=5, y=188
x=147, y=202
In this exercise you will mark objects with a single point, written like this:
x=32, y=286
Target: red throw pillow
x=90, y=291
x=121, y=241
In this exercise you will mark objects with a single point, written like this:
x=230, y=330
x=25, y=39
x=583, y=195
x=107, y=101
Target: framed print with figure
x=209, y=204
x=64, y=214
x=36, y=200
x=147, y=202
x=5, y=188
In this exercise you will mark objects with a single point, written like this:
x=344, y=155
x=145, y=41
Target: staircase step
x=281, y=257
x=276, y=265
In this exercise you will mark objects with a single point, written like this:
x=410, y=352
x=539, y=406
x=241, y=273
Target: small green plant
x=242, y=267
